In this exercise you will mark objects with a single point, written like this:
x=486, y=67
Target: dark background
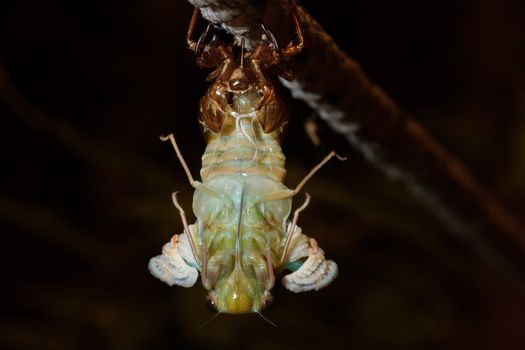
x=85, y=182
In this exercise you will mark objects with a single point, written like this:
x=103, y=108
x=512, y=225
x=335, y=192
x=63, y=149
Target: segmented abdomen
x=243, y=148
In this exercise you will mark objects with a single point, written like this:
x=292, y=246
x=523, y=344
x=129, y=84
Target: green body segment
x=243, y=148
x=242, y=237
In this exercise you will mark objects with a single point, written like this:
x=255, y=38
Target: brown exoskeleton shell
x=236, y=79
x=246, y=78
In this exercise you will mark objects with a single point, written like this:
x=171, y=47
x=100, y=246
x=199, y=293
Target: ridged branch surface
x=335, y=86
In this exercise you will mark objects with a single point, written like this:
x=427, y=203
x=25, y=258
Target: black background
x=85, y=182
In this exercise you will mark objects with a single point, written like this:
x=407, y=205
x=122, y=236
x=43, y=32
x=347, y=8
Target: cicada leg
x=191, y=43
x=207, y=57
x=292, y=227
x=204, y=265
x=271, y=274
x=195, y=184
x=294, y=49
x=290, y=193
x=191, y=239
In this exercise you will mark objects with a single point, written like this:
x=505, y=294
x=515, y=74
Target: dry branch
x=372, y=123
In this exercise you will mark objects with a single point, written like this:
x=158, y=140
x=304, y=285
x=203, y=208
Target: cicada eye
x=210, y=304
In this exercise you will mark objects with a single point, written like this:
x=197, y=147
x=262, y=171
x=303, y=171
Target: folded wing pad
x=176, y=265
x=315, y=273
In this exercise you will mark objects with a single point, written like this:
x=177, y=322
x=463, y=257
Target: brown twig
x=373, y=124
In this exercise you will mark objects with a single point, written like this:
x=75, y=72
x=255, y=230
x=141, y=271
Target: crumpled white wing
x=171, y=267
x=184, y=247
x=299, y=247
x=315, y=273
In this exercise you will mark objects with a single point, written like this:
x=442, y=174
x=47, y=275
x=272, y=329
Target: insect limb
x=290, y=193
x=200, y=42
x=204, y=265
x=195, y=184
x=179, y=155
x=191, y=43
x=217, y=55
x=238, y=236
x=271, y=274
x=242, y=52
x=272, y=112
x=268, y=92
x=315, y=170
x=294, y=49
x=291, y=49
x=270, y=36
x=292, y=227
x=186, y=227
x=196, y=46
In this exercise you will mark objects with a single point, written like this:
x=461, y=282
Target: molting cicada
x=243, y=236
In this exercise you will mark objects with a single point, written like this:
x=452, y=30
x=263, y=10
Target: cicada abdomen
x=243, y=236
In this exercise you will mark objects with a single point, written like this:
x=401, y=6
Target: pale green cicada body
x=243, y=236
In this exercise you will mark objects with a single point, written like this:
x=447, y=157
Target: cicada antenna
x=266, y=319
x=209, y=320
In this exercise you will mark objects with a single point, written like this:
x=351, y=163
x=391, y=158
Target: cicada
x=243, y=236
